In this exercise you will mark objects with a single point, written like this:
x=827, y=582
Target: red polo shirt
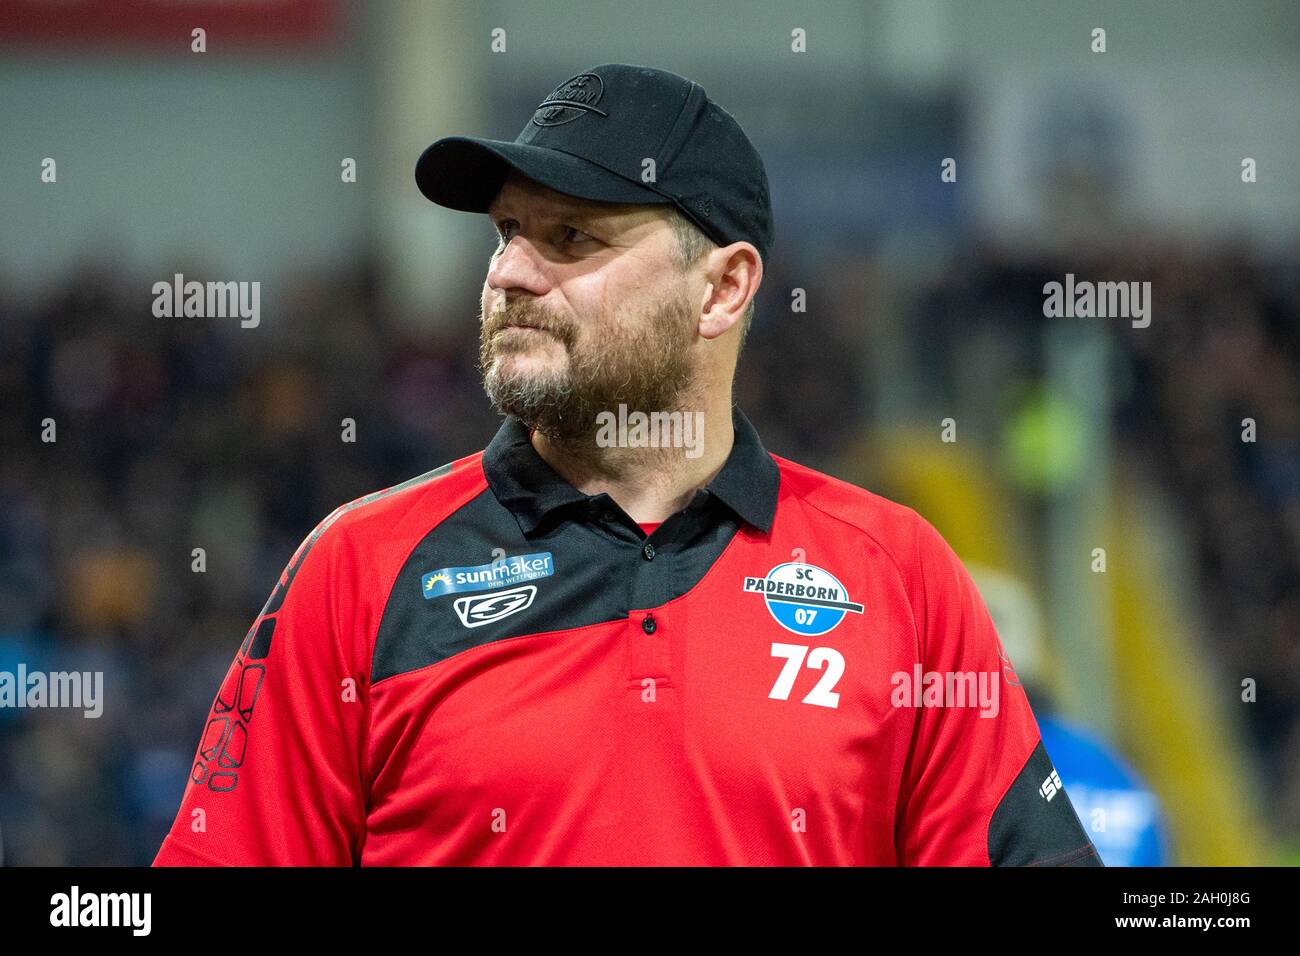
x=484, y=665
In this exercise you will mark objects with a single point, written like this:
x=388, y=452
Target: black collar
x=523, y=481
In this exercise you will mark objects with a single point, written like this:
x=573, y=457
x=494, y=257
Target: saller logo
x=484, y=609
x=570, y=100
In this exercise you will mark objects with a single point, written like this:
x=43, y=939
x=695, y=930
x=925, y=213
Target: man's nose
x=518, y=266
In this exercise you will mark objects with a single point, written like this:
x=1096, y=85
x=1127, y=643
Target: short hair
x=691, y=245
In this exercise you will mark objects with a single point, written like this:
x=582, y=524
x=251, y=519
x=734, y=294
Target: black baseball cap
x=591, y=137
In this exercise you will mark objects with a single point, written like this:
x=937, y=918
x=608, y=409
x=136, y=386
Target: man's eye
x=568, y=234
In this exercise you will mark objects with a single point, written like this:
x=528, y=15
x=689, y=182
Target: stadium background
x=924, y=302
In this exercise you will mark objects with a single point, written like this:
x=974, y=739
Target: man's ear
x=734, y=273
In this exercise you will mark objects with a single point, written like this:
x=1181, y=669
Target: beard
x=644, y=363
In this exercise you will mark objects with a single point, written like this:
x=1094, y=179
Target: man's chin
x=548, y=420
x=552, y=413
x=529, y=362
x=523, y=396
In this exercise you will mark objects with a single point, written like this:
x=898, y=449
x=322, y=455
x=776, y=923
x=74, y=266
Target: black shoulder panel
x=1035, y=824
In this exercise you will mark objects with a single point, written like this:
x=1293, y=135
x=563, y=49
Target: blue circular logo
x=804, y=598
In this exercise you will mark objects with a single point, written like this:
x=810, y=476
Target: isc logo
x=1050, y=786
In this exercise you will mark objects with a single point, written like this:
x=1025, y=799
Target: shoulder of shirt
x=898, y=530
x=405, y=511
x=924, y=561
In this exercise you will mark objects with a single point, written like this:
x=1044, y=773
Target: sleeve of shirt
x=978, y=787
x=277, y=776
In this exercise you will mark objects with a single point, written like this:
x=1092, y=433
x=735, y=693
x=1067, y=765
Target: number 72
x=825, y=659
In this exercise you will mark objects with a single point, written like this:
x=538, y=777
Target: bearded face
x=556, y=373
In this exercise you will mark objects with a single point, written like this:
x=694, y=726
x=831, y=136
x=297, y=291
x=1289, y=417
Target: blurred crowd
x=1207, y=405
x=178, y=434
x=1216, y=393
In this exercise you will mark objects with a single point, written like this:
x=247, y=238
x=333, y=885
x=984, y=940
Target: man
x=624, y=633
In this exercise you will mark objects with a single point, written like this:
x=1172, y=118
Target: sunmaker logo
x=481, y=577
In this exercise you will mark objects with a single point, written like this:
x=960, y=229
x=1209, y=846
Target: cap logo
x=570, y=100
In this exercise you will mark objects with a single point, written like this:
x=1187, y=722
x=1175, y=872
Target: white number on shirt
x=823, y=659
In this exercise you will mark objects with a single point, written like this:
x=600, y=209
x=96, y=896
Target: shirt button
x=649, y=551
x=648, y=624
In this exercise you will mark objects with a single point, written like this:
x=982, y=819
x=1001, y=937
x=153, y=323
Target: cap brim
x=464, y=173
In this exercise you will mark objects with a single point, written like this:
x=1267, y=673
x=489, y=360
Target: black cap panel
x=594, y=136
x=466, y=174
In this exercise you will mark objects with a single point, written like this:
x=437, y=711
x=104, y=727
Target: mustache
x=525, y=314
